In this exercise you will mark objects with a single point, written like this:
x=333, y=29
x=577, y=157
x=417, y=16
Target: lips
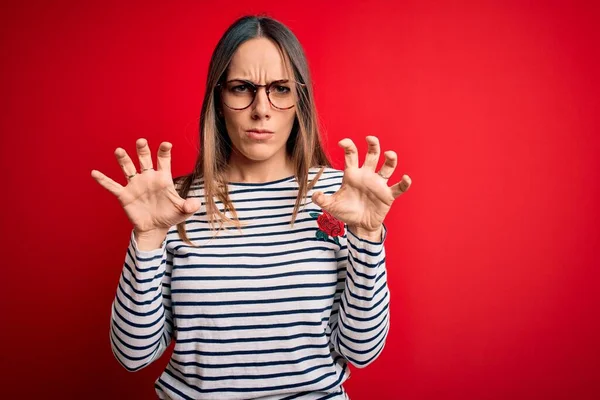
x=260, y=131
x=259, y=134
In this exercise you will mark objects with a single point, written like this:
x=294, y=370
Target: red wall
x=493, y=110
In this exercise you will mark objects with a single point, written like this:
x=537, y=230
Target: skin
x=364, y=198
x=258, y=61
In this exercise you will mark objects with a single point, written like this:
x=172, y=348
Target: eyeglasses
x=239, y=94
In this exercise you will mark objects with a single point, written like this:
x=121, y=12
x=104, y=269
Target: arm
x=359, y=321
x=141, y=325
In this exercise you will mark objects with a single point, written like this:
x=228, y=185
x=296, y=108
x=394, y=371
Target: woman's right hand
x=150, y=200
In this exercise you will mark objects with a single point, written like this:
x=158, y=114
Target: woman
x=265, y=264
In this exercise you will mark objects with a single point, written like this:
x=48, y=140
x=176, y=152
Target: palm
x=364, y=198
x=150, y=199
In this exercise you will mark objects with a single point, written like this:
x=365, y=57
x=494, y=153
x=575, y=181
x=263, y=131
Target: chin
x=256, y=153
x=260, y=150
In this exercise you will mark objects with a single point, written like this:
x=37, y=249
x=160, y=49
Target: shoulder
x=327, y=172
x=330, y=176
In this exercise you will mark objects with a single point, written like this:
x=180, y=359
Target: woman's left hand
x=364, y=198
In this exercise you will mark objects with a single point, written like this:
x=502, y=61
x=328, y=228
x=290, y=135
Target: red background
x=492, y=108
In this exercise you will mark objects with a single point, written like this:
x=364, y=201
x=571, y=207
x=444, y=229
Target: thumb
x=322, y=200
x=191, y=205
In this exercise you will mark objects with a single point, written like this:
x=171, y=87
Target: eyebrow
x=267, y=83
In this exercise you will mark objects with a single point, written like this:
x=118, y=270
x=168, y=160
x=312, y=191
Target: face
x=258, y=61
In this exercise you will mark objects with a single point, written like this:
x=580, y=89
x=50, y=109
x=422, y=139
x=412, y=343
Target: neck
x=244, y=170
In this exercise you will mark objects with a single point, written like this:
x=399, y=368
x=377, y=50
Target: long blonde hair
x=303, y=146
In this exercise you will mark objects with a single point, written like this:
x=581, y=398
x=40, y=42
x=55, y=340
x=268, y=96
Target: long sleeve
x=141, y=325
x=359, y=321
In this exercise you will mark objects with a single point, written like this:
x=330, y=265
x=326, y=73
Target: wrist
x=367, y=234
x=149, y=232
x=149, y=240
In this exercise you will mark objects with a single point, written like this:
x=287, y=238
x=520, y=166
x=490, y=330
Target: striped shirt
x=270, y=312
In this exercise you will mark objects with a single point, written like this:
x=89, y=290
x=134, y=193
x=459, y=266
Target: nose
x=261, y=108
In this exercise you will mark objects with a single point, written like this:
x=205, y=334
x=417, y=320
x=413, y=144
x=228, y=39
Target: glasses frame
x=255, y=88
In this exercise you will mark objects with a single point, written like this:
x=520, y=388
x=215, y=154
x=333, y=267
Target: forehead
x=256, y=60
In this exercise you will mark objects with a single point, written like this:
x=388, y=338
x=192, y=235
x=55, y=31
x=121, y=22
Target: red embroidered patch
x=328, y=226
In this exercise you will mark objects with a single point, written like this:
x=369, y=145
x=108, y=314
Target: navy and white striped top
x=271, y=312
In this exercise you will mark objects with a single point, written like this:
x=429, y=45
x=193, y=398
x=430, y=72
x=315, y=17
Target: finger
x=401, y=187
x=164, y=157
x=372, y=157
x=125, y=162
x=322, y=200
x=143, y=152
x=107, y=183
x=388, y=167
x=351, y=157
x=191, y=205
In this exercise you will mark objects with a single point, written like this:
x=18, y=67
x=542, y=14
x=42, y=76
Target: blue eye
x=239, y=88
x=282, y=89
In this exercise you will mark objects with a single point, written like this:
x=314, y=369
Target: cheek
x=286, y=124
x=291, y=117
x=287, y=120
x=233, y=121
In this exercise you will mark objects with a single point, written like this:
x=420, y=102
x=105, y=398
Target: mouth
x=259, y=134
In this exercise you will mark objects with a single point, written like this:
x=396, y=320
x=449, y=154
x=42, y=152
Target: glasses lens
x=240, y=94
x=282, y=94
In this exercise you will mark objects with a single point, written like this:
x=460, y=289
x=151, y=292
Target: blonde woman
x=265, y=264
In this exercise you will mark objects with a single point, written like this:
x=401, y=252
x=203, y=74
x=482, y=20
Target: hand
x=150, y=199
x=364, y=198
